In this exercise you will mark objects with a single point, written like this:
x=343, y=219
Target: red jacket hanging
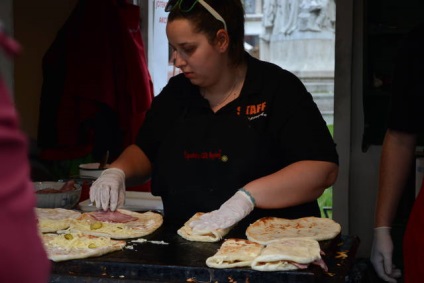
x=96, y=87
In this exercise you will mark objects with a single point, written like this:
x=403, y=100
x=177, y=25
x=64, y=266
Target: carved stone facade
x=299, y=35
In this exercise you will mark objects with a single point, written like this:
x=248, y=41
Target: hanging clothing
x=96, y=85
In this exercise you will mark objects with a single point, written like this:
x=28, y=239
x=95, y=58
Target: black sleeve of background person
x=407, y=101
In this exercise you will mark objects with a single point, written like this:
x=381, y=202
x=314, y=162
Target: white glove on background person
x=230, y=212
x=381, y=255
x=108, y=191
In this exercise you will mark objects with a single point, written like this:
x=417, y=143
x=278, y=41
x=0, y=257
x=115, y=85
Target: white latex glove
x=108, y=191
x=230, y=212
x=381, y=255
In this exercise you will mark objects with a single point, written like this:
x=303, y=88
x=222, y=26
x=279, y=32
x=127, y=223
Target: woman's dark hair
x=233, y=13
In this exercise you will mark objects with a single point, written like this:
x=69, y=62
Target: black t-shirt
x=201, y=158
x=407, y=101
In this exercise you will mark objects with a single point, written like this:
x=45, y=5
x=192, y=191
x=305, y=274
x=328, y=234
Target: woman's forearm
x=134, y=162
x=397, y=155
x=298, y=183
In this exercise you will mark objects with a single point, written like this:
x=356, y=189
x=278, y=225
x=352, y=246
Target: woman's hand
x=231, y=212
x=108, y=191
x=381, y=255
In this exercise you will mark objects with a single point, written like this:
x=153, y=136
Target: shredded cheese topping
x=77, y=240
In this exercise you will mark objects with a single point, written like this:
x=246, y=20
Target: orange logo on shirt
x=252, y=112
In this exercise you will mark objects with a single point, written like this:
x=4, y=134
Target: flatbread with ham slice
x=54, y=219
x=61, y=247
x=120, y=224
x=202, y=236
x=234, y=253
x=289, y=254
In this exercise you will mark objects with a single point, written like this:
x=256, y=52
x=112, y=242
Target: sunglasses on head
x=187, y=6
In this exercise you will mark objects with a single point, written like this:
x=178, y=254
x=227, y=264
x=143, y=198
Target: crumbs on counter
x=342, y=255
x=159, y=242
x=141, y=240
x=330, y=274
x=194, y=280
x=129, y=246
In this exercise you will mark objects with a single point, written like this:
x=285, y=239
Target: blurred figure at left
x=23, y=258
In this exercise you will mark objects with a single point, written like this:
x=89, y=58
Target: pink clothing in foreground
x=23, y=258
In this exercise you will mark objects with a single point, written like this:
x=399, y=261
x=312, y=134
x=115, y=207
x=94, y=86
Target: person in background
x=23, y=258
x=231, y=135
x=405, y=123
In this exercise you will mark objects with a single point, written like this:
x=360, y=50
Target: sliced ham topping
x=68, y=186
x=298, y=265
x=320, y=262
x=112, y=216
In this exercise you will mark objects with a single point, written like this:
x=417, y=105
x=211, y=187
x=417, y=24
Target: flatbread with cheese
x=202, y=236
x=54, y=219
x=120, y=224
x=234, y=253
x=289, y=254
x=269, y=229
x=61, y=247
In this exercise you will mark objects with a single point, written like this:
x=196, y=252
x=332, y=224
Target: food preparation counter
x=166, y=257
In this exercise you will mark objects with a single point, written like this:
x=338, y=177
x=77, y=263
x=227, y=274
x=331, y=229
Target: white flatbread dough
x=54, y=219
x=287, y=254
x=61, y=247
x=142, y=224
x=268, y=229
x=234, y=253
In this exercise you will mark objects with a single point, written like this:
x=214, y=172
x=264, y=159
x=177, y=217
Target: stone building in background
x=298, y=35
